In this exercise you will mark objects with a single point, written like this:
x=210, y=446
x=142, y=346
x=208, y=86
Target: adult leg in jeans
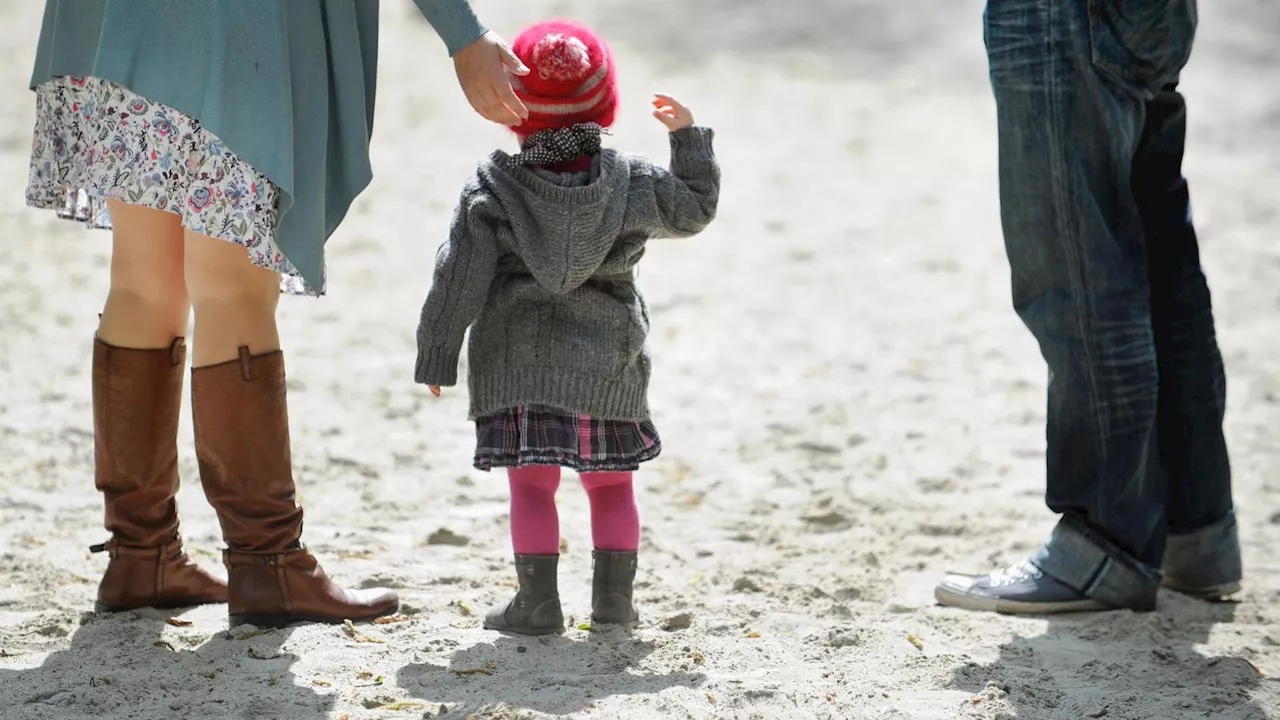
x=1070, y=130
x=1202, y=556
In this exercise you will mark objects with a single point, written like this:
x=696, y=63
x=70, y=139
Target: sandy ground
x=850, y=409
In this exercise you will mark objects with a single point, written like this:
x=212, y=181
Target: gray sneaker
x=1020, y=590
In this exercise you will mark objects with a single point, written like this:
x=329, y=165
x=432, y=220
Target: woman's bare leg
x=147, y=306
x=235, y=301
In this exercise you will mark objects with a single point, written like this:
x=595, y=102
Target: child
x=540, y=263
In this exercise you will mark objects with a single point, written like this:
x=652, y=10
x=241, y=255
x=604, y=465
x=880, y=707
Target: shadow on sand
x=1120, y=666
x=127, y=660
x=555, y=674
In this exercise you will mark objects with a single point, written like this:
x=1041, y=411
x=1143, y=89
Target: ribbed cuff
x=437, y=366
x=599, y=398
x=692, y=146
x=454, y=21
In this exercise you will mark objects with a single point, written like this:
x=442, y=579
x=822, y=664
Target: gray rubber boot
x=611, y=586
x=535, y=610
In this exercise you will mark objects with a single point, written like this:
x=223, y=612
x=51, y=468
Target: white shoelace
x=1015, y=574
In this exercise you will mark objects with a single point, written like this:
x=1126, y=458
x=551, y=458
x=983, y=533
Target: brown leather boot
x=242, y=445
x=137, y=396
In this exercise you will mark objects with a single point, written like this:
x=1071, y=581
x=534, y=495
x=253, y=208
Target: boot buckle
x=110, y=547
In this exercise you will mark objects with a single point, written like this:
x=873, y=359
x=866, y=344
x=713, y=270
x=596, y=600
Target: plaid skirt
x=538, y=435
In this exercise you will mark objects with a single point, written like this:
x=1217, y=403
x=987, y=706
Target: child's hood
x=563, y=225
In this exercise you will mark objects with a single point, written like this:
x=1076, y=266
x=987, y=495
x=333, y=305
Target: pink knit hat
x=571, y=79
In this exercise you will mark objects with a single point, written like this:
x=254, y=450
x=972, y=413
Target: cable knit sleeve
x=453, y=20
x=684, y=198
x=465, y=266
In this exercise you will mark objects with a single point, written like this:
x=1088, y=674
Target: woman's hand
x=435, y=390
x=671, y=113
x=484, y=71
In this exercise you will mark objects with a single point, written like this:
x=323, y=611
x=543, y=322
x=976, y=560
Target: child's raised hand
x=671, y=113
x=435, y=390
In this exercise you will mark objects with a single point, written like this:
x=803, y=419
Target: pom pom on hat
x=571, y=80
x=561, y=58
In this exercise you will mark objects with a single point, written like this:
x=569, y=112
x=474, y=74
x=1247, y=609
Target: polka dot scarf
x=561, y=145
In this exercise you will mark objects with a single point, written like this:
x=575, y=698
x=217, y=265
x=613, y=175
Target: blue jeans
x=1106, y=275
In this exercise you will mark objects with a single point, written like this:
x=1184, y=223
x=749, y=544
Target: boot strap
x=115, y=550
x=281, y=558
x=276, y=562
x=177, y=351
x=157, y=554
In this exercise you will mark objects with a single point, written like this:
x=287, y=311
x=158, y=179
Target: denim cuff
x=1081, y=558
x=1208, y=557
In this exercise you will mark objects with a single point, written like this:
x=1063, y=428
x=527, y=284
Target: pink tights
x=535, y=523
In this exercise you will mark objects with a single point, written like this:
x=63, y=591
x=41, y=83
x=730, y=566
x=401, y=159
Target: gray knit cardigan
x=540, y=265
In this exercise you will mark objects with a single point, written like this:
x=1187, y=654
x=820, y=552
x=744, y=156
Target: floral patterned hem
x=96, y=140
